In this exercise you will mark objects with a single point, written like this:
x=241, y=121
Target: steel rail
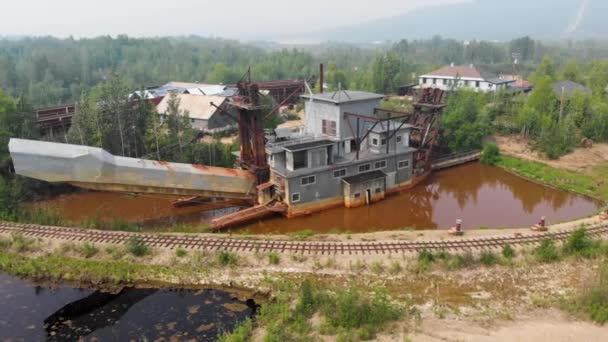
x=196, y=242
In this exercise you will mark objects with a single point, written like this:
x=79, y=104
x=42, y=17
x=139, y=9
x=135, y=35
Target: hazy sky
x=246, y=19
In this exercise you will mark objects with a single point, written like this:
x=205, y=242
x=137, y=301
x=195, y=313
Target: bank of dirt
x=580, y=160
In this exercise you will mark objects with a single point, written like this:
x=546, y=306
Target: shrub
x=306, y=304
x=425, y=259
x=462, y=261
x=594, y=300
x=508, y=252
x=488, y=258
x=348, y=309
x=490, y=154
x=241, y=333
x=88, y=250
x=180, y=252
x=21, y=243
x=580, y=243
x=274, y=258
x=547, y=251
x=226, y=258
x=137, y=247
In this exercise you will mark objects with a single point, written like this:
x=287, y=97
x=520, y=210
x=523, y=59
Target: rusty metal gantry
x=425, y=121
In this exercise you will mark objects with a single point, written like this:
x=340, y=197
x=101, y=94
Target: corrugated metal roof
x=364, y=177
x=198, y=106
x=344, y=96
x=308, y=145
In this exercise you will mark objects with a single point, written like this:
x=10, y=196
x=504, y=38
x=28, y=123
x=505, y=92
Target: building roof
x=569, y=88
x=467, y=71
x=364, y=177
x=186, y=85
x=382, y=126
x=344, y=96
x=198, y=106
x=308, y=145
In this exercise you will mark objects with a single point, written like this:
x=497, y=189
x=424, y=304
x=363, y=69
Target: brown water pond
x=482, y=196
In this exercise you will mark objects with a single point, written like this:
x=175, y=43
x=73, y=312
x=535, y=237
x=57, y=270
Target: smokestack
x=321, y=79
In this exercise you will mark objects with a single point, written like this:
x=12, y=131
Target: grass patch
x=593, y=301
x=226, y=258
x=349, y=314
x=274, y=258
x=488, y=258
x=88, y=250
x=138, y=247
x=180, y=252
x=59, y=268
x=547, y=252
x=241, y=333
x=508, y=252
x=563, y=179
x=303, y=234
x=579, y=243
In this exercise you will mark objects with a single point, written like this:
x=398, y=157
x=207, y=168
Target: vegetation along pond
x=482, y=196
x=36, y=313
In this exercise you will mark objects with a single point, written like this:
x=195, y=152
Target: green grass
x=508, y=252
x=488, y=258
x=274, y=258
x=347, y=313
x=592, y=302
x=180, y=252
x=547, y=252
x=226, y=258
x=60, y=268
x=137, y=247
x=588, y=184
x=241, y=333
x=88, y=250
x=302, y=234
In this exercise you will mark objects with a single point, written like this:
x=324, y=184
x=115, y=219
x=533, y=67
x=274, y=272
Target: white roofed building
x=464, y=76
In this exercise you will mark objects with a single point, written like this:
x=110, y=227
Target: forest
x=97, y=73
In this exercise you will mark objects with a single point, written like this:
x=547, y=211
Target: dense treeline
x=51, y=71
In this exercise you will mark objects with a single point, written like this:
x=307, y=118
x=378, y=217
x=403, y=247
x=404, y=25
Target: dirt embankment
x=580, y=160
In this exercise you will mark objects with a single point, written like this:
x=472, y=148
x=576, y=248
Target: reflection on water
x=31, y=313
x=480, y=195
x=146, y=209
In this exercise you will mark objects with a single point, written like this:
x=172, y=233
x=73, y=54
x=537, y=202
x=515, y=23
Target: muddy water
x=34, y=313
x=147, y=210
x=482, y=196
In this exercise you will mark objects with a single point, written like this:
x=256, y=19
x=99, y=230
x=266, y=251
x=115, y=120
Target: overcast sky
x=244, y=19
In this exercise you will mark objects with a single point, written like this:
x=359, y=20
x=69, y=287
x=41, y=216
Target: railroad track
x=194, y=242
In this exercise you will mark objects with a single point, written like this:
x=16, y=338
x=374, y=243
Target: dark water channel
x=34, y=313
x=482, y=196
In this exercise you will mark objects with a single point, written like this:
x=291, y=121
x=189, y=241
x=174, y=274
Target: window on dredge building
x=340, y=173
x=295, y=197
x=378, y=190
x=365, y=168
x=357, y=195
x=403, y=164
x=375, y=142
x=328, y=127
x=399, y=138
x=308, y=180
x=380, y=164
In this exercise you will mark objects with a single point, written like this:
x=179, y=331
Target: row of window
x=309, y=180
x=450, y=82
x=383, y=142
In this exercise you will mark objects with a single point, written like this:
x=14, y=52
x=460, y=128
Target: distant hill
x=487, y=20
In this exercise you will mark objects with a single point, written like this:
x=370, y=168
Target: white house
x=462, y=76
